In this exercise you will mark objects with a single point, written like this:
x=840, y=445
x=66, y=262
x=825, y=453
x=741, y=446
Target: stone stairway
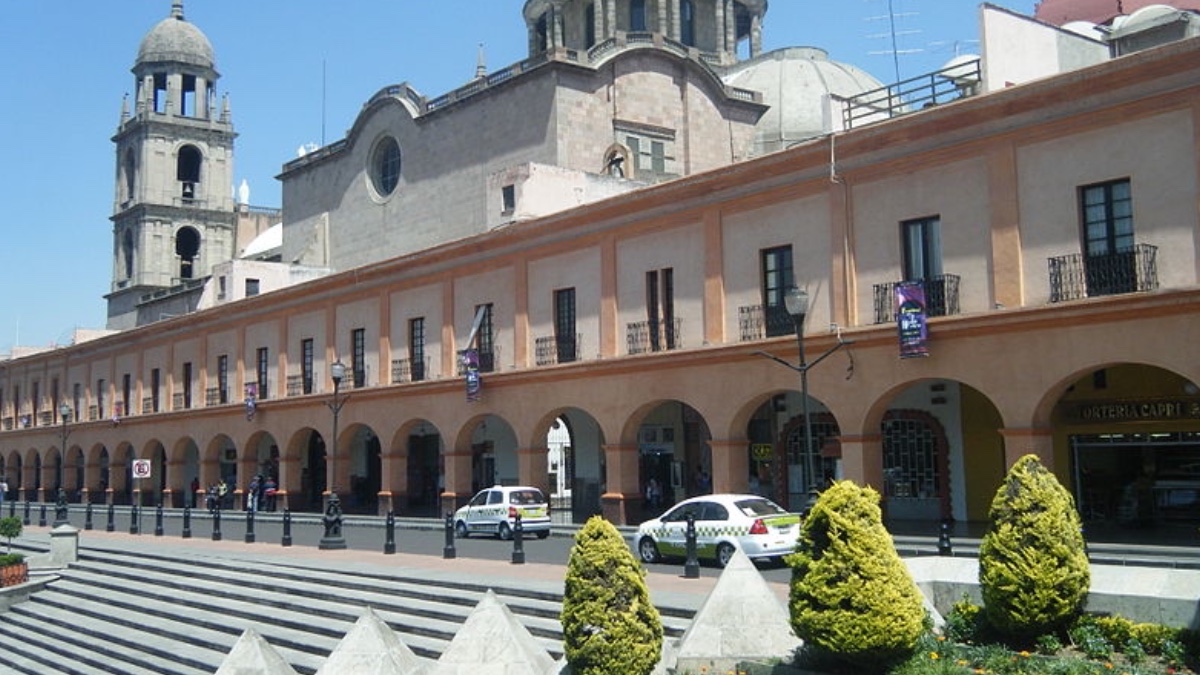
x=139, y=613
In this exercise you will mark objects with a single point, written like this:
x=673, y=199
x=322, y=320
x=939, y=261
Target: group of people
x=260, y=495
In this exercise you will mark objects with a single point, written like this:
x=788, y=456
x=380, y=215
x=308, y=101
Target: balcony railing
x=407, y=370
x=941, y=297
x=756, y=322
x=1076, y=276
x=653, y=336
x=487, y=361
x=951, y=83
x=554, y=349
x=295, y=385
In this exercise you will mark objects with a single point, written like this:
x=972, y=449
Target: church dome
x=796, y=82
x=1060, y=12
x=177, y=41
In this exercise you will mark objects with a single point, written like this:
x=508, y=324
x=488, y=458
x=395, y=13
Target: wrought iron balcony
x=1076, y=276
x=407, y=370
x=756, y=322
x=941, y=297
x=487, y=361
x=557, y=349
x=653, y=336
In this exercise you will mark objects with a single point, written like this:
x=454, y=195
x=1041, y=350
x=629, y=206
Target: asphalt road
x=368, y=534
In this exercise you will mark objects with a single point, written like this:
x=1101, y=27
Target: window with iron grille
x=660, y=309
x=155, y=383
x=777, y=278
x=1108, y=244
x=416, y=348
x=101, y=397
x=485, y=340
x=358, y=356
x=564, y=325
x=76, y=401
x=306, y=365
x=126, y=393
x=223, y=378
x=264, y=363
x=910, y=461
x=187, y=385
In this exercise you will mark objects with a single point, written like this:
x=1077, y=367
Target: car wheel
x=648, y=550
x=542, y=534
x=460, y=530
x=725, y=552
x=504, y=532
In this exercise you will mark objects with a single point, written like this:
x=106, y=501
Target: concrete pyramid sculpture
x=741, y=619
x=371, y=647
x=251, y=655
x=493, y=642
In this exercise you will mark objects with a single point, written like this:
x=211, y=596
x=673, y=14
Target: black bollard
x=389, y=539
x=691, y=566
x=87, y=517
x=26, y=521
x=158, y=521
x=112, y=519
x=943, y=543
x=134, y=517
x=518, y=554
x=42, y=515
x=216, y=535
x=287, y=527
x=250, y=527
x=187, y=523
x=448, y=551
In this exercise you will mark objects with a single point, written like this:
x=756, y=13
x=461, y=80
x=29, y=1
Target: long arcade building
x=1054, y=225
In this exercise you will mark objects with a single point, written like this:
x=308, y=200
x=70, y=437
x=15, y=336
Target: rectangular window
x=658, y=157
x=922, y=248
x=36, y=400
x=660, y=309
x=416, y=348
x=306, y=365
x=485, y=340
x=1110, y=263
x=223, y=378
x=126, y=393
x=251, y=288
x=264, y=362
x=187, y=385
x=565, y=337
x=777, y=278
x=358, y=356
x=508, y=195
x=155, y=382
x=102, y=398
x=77, y=401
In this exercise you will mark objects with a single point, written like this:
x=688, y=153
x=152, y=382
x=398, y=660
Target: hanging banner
x=910, y=315
x=470, y=358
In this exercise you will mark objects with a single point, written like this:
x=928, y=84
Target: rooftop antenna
x=893, y=33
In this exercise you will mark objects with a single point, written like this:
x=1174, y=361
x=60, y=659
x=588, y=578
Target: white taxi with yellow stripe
x=494, y=511
x=724, y=523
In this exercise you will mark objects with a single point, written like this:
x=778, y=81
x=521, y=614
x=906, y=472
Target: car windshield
x=758, y=507
x=525, y=497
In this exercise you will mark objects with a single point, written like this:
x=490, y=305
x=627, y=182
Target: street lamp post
x=60, y=503
x=795, y=300
x=333, y=538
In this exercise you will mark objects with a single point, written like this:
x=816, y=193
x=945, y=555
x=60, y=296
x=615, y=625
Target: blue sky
x=66, y=66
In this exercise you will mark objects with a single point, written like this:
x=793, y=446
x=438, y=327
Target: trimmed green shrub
x=852, y=597
x=1152, y=635
x=11, y=559
x=10, y=528
x=1033, y=569
x=609, y=625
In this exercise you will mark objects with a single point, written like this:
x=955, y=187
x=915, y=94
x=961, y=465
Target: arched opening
x=589, y=25
x=637, y=16
x=541, y=34
x=363, y=470
x=425, y=470
x=129, y=169
x=187, y=247
x=687, y=22
x=674, y=456
x=127, y=252
x=575, y=466
x=187, y=171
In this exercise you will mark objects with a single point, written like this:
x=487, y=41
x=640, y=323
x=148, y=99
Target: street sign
x=141, y=468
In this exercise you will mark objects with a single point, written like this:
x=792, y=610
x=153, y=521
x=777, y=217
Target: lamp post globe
x=333, y=538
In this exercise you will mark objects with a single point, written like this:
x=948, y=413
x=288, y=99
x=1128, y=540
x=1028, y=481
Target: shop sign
x=762, y=451
x=1134, y=411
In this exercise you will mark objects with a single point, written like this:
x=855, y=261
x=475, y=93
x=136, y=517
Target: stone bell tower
x=173, y=215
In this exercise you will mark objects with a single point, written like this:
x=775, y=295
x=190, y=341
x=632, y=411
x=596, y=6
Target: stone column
x=532, y=468
x=458, y=480
x=1028, y=441
x=730, y=466
x=755, y=36
x=610, y=11
x=393, y=494
x=287, y=489
x=598, y=21
x=621, y=504
x=862, y=460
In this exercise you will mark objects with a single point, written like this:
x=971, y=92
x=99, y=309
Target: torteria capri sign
x=1088, y=412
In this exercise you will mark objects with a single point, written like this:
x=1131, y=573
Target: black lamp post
x=64, y=415
x=796, y=302
x=333, y=538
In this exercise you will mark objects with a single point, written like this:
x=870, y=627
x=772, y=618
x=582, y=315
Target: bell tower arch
x=173, y=213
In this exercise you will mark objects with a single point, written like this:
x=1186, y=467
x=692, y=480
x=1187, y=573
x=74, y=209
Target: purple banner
x=470, y=360
x=910, y=315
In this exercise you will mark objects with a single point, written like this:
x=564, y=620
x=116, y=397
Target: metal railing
x=756, y=322
x=553, y=349
x=408, y=370
x=917, y=93
x=487, y=361
x=653, y=335
x=941, y=297
x=1076, y=276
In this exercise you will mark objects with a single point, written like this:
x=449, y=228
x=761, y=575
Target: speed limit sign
x=141, y=468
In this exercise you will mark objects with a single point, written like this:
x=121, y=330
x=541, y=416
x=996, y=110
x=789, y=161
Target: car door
x=474, y=507
x=711, y=524
x=673, y=531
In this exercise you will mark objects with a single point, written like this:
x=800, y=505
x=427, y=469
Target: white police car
x=724, y=523
x=494, y=511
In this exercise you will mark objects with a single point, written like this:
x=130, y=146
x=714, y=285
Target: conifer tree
x=609, y=625
x=1033, y=568
x=852, y=598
